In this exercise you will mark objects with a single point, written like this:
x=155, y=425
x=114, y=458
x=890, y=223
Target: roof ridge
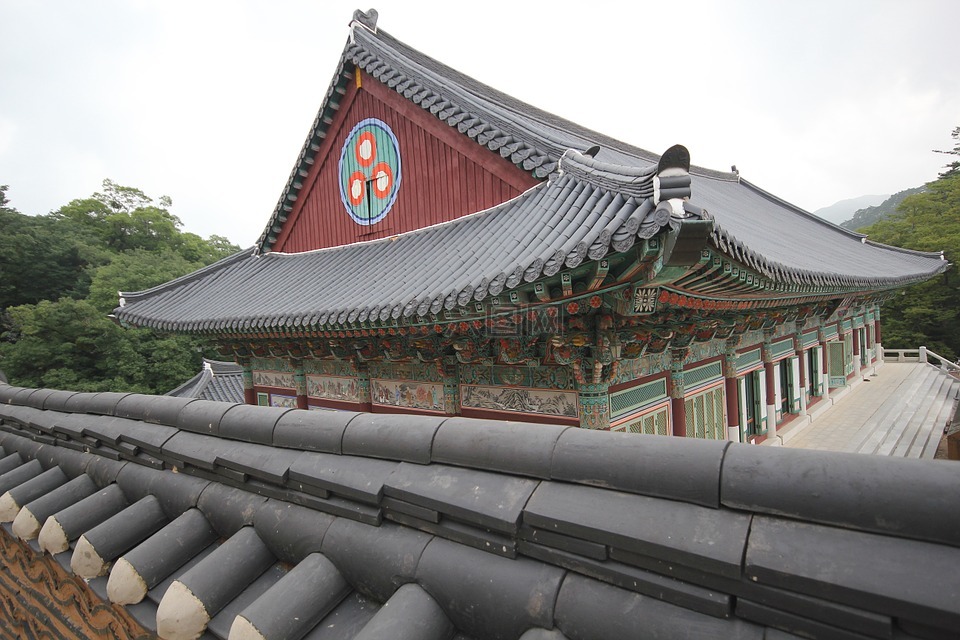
x=543, y=116
x=128, y=296
x=911, y=252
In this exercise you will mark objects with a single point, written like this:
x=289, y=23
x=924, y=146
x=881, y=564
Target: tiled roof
x=588, y=208
x=286, y=523
x=222, y=381
x=556, y=225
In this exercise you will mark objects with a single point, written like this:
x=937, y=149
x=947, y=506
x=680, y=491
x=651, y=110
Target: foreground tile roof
x=237, y=521
x=587, y=208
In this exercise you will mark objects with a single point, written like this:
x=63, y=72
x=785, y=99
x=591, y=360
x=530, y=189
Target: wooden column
x=877, y=339
x=363, y=386
x=451, y=386
x=856, y=349
x=731, y=392
x=678, y=415
x=678, y=410
x=249, y=396
x=299, y=383
x=824, y=364
x=594, y=405
x=802, y=361
x=770, y=379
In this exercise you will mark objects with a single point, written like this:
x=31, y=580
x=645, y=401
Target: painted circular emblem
x=369, y=171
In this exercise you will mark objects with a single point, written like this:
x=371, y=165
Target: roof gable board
x=440, y=174
x=453, y=174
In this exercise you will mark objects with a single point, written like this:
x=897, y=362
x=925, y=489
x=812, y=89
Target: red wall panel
x=445, y=175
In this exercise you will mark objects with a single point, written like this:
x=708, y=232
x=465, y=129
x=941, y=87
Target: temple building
x=443, y=248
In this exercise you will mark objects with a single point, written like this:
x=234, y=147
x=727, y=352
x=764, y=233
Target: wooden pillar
x=802, y=362
x=770, y=379
x=594, y=405
x=299, y=383
x=731, y=393
x=877, y=339
x=363, y=386
x=824, y=365
x=678, y=414
x=856, y=350
x=249, y=396
x=678, y=410
x=451, y=387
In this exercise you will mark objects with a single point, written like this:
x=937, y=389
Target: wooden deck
x=898, y=410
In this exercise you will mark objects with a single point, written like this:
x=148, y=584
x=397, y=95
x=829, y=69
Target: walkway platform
x=898, y=409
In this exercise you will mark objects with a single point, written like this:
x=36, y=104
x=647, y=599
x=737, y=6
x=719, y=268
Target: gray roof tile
x=219, y=381
x=298, y=601
x=592, y=555
x=909, y=579
x=822, y=487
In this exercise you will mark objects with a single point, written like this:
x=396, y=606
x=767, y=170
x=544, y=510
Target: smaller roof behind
x=219, y=381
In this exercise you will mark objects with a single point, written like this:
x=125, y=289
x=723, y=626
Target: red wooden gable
x=445, y=175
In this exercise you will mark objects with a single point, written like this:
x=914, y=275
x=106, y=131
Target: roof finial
x=368, y=19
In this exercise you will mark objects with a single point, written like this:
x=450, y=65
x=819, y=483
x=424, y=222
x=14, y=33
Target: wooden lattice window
x=654, y=423
x=630, y=400
x=705, y=415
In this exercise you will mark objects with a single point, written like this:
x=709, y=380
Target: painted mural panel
x=271, y=364
x=279, y=379
x=519, y=400
x=409, y=395
x=545, y=377
x=333, y=388
x=285, y=402
x=340, y=368
x=419, y=371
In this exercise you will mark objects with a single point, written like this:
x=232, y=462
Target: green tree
x=69, y=344
x=953, y=168
x=135, y=270
x=149, y=228
x=61, y=274
x=926, y=314
x=43, y=257
x=122, y=199
x=126, y=219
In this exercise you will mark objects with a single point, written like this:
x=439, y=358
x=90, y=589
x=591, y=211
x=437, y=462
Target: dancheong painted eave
x=587, y=213
x=589, y=207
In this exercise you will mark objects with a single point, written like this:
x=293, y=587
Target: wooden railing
x=922, y=355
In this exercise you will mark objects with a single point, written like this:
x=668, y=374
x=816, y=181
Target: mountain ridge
x=845, y=209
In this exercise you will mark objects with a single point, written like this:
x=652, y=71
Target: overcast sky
x=210, y=102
